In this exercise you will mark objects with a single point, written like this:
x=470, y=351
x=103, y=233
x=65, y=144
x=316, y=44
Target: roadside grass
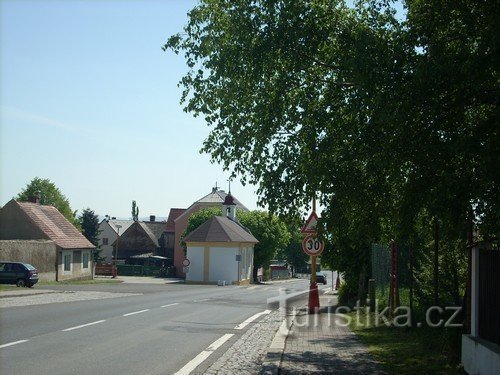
x=80, y=282
x=5, y=287
x=411, y=350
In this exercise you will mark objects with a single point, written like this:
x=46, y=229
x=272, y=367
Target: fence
x=489, y=295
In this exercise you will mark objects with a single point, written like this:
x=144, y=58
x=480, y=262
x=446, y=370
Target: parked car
x=21, y=274
x=320, y=278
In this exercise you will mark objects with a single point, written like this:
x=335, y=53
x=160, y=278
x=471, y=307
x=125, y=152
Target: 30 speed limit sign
x=312, y=246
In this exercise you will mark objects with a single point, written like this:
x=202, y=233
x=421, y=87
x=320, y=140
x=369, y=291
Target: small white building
x=220, y=250
x=109, y=229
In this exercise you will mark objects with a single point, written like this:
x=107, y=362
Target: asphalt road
x=158, y=331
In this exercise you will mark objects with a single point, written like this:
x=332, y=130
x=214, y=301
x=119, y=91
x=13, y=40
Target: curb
x=272, y=362
x=8, y=294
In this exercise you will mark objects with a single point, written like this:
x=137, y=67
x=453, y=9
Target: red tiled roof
x=55, y=226
x=174, y=214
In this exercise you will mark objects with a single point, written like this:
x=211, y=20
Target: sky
x=89, y=100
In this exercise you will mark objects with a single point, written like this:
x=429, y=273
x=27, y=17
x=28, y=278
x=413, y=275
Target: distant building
x=220, y=250
x=42, y=236
x=143, y=240
x=108, y=233
x=214, y=199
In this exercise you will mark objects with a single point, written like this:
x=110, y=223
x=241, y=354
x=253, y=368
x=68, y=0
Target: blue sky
x=90, y=101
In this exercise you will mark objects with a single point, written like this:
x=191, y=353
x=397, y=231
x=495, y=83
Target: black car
x=320, y=278
x=21, y=274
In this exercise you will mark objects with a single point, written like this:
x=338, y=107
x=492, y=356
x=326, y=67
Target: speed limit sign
x=312, y=245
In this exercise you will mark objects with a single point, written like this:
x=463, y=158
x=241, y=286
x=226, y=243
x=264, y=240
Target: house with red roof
x=42, y=236
x=181, y=218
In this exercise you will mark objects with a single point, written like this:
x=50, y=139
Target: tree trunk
x=436, y=262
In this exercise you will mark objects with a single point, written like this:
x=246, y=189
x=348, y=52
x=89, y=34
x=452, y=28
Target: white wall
x=195, y=255
x=223, y=264
x=106, y=232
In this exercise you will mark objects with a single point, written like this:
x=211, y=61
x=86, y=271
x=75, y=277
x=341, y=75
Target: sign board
x=185, y=269
x=312, y=245
x=310, y=225
x=186, y=262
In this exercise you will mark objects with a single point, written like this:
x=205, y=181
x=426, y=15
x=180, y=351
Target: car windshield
x=29, y=267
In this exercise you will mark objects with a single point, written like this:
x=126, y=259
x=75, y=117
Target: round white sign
x=312, y=245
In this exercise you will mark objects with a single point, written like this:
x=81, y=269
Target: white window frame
x=70, y=254
x=85, y=266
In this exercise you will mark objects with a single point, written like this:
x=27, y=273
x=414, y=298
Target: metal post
x=115, y=268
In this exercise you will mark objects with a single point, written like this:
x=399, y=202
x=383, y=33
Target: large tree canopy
x=363, y=107
x=49, y=194
x=390, y=118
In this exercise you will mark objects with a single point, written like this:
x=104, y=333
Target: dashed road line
x=170, y=304
x=12, y=343
x=251, y=319
x=136, y=312
x=196, y=361
x=83, y=326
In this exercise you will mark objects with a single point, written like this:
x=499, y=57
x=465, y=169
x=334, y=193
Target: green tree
x=271, y=232
x=48, y=194
x=135, y=211
x=89, y=222
x=387, y=118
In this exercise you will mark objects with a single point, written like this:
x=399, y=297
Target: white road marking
x=202, y=300
x=196, y=361
x=136, y=312
x=13, y=343
x=83, y=325
x=251, y=319
x=171, y=304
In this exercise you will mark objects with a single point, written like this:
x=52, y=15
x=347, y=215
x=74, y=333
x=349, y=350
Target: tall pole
x=313, y=287
x=115, y=268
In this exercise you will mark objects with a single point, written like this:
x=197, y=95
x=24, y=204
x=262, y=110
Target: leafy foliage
x=89, y=222
x=135, y=211
x=49, y=194
x=271, y=232
x=391, y=120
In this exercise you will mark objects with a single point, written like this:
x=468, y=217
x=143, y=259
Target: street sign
x=186, y=262
x=310, y=225
x=185, y=269
x=312, y=245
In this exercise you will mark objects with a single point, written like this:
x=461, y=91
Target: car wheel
x=21, y=283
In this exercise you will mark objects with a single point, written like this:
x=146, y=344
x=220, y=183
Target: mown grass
x=412, y=350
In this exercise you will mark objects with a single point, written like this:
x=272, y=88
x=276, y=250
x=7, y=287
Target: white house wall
x=223, y=264
x=106, y=232
x=196, y=267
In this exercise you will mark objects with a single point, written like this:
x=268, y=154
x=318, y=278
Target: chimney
x=34, y=199
x=152, y=217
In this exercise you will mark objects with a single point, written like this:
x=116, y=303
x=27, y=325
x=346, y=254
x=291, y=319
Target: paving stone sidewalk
x=247, y=354
x=318, y=344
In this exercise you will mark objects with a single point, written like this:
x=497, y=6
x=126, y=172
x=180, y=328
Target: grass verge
x=411, y=350
x=80, y=282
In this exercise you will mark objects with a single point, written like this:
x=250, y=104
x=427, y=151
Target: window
x=67, y=262
x=105, y=240
x=85, y=260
